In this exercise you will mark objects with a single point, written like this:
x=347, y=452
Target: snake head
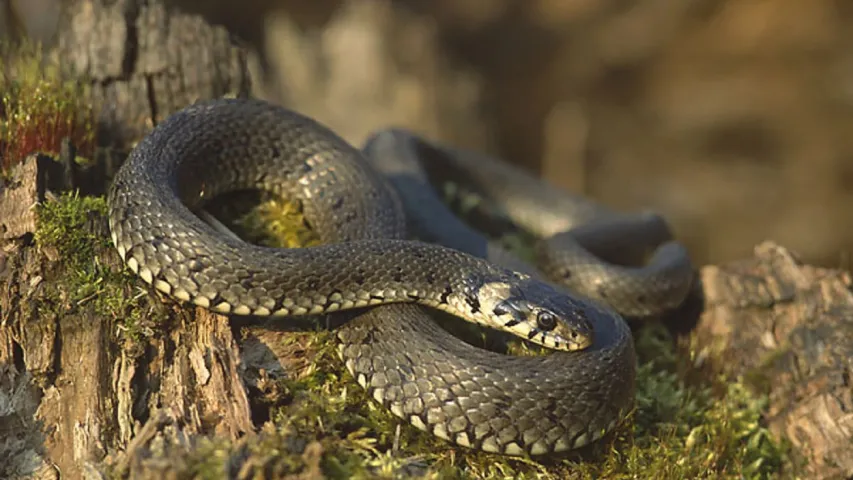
x=542, y=315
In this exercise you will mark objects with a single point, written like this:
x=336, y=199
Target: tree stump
x=144, y=61
x=788, y=326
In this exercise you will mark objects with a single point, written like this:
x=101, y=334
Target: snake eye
x=546, y=321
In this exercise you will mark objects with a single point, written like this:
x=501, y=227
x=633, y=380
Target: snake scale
x=368, y=266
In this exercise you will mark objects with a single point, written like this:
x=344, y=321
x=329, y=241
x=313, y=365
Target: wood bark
x=82, y=398
x=789, y=326
x=144, y=61
x=72, y=391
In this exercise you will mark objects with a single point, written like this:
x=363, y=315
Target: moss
x=39, y=108
x=62, y=223
x=264, y=220
x=65, y=226
x=684, y=431
x=328, y=407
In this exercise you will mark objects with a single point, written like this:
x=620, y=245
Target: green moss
x=62, y=224
x=38, y=107
x=282, y=231
x=329, y=408
x=65, y=227
x=684, y=431
x=677, y=431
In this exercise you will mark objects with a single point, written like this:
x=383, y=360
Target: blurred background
x=730, y=117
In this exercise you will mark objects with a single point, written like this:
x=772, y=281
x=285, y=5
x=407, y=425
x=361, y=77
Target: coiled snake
x=473, y=397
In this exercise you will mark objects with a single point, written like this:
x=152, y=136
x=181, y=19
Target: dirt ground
x=728, y=116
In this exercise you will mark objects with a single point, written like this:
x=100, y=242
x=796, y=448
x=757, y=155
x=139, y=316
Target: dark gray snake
x=473, y=397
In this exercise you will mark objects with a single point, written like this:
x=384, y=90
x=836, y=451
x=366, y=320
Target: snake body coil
x=475, y=398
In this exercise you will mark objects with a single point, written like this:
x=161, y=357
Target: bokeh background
x=733, y=118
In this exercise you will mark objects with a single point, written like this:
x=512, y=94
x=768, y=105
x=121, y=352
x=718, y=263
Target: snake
x=370, y=268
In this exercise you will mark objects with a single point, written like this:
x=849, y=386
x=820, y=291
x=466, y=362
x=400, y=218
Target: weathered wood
x=77, y=386
x=79, y=391
x=18, y=199
x=144, y=61
x=72, y=378
x=789, y=328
